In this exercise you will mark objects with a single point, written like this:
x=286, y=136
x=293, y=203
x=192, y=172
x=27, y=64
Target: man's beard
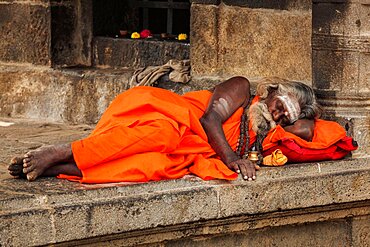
x=261, y=119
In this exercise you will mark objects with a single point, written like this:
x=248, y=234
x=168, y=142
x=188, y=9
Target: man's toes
x=27, y=170
x=26, y=162
x=16, y=161
x=17, y=172
x=31, y=176
x=14, y=173
x=15, y=167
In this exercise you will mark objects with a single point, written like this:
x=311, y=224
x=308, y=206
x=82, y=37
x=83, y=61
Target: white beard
x=261, y=119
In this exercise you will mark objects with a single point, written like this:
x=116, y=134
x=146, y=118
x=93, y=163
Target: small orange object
x=276, y=158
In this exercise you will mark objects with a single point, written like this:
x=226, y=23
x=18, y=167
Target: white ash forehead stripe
x=292, y=107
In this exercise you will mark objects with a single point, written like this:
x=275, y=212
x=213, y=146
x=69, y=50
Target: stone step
x=71, y=95
x=314, y=204
x=68, y=95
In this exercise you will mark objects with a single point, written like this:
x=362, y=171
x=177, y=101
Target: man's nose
x=277, y=115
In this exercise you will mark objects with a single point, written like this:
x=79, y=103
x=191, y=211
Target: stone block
x=32, y=228
x=340, y=18
x=266, y=4
x=333, y=233
x=153, y=210
x=25, y=32
x=282, y=38
x=71, y=33
x=10, y=201
x=213, y=2
x=204, y=39
x=71, y=222
x=326, y=65
x=328, y=17
x=361, y=133
x=361, y=231
x=314, y=188
x=116, y=53
x=79, y=96
x=364, y=73
x=364, y=15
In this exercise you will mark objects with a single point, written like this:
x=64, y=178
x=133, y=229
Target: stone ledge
x=186, y=212
x=119, y=52
x=66, y=211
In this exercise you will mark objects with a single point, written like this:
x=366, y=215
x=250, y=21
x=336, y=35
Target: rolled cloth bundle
x=177, y=70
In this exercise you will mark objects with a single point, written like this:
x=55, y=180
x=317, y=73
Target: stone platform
x=314, y=204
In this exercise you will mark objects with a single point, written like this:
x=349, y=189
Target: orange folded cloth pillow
x=276, y=158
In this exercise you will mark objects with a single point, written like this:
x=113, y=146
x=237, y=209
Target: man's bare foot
x=35, y=162
x=16, y=167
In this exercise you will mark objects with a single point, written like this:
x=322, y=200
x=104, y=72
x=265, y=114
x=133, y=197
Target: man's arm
x=304, y=128
x=226, y=99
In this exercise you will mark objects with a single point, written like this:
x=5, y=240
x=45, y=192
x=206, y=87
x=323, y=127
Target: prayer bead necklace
x=243, y=141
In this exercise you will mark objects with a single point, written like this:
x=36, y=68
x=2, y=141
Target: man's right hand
x=246, y=167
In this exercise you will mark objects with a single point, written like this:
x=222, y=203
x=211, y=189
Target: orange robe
x=149, y=134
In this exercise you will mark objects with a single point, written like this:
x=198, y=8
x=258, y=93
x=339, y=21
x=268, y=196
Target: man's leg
x=67, y=168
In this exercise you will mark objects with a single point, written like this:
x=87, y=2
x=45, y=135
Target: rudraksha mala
x=242, y=146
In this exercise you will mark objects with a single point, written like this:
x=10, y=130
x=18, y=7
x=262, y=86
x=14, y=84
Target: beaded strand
x=243, y=141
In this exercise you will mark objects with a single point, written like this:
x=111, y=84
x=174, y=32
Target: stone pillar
x=341, y=65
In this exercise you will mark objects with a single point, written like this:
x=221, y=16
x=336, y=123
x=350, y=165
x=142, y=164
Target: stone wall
x=25, y=31
x=251, y=38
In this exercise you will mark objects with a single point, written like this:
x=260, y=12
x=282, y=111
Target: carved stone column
x=341, y=65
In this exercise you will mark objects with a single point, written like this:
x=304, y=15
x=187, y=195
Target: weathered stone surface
x=266, y=4
x=297, y=193
x=148, y=211
x=35, y=226
x=364, y=72
x=71, y=33
x=77, y=96
x=340, y=18
x=361, y=231
x=329, y=197
x=115, y=53
x=313, y=234
x=339, y=71
x=341, y=64
x=231, y=45
x=25, y=32
x=214, y=2
x=256, y=52
x=204, y=39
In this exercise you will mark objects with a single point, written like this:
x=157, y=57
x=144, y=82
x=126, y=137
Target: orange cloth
x=149, y=134
x=276, y=158
x=326, y=133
